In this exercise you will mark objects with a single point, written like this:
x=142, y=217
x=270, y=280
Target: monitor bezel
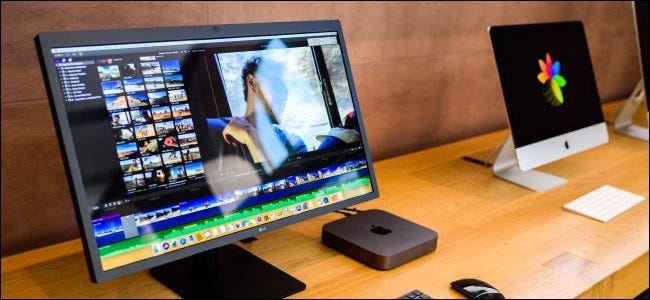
x=47, y=40
x=554, y=148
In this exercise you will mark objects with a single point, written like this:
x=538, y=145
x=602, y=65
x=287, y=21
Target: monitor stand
x=623, y=123
x=507, y=168
x=226, y=272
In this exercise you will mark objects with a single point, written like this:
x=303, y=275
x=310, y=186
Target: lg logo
x=261, y=229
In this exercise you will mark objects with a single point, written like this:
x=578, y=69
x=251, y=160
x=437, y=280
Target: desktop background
x=304, y=112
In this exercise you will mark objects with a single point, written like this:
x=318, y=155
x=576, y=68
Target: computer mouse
x=476, y=289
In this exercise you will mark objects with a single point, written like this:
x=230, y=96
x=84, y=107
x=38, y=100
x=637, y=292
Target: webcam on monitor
x=551, y=99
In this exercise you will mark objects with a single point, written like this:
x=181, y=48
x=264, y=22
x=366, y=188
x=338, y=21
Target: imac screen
x=547, y=80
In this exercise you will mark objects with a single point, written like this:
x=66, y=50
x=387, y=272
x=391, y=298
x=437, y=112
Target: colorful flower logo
x=552, y=80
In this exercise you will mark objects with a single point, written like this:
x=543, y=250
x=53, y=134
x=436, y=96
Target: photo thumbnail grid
x=152, y=124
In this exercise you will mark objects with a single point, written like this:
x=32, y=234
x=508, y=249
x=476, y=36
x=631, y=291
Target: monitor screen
x=549, y=91
x=547, y=80
x=641, y=11
x=179, y=140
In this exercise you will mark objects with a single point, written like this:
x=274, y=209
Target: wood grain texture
x=520, y=241
x=626, y=283
x=23, y=20
x=393, y=129
x=37, y=207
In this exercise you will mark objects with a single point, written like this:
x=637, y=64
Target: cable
x=248, y=240
x=476, y=161
x=485, y=163
x=352, y=210
x=347, y=214
x=345, y=211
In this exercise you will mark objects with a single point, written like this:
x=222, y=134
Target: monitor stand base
x=623, y=124
x=226, y=272
x=506, y=167
x=634, y=131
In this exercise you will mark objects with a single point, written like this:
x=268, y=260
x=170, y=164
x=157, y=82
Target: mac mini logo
x=380, y=230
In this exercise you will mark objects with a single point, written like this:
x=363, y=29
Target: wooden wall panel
x=36, y=206
x=21, y=21
x=471, y=101
x=418, y=29
x=613, y=47
x=424, y=74
x=388, y=92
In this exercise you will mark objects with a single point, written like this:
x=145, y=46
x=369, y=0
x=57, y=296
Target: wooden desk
x=520, y=241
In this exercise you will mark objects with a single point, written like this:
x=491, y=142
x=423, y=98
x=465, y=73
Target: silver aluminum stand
x=507, y=168
x=623, y=123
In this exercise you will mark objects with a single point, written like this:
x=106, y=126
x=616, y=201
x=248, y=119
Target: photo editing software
x=185, y=141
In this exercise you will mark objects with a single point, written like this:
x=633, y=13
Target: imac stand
x=623, y=123
x=507, y=168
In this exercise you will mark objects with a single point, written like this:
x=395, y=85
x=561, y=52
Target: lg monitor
x=551, y=99
x=625, y=118
x=180, y=141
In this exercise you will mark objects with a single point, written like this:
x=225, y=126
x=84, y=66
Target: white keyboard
x=604, y=203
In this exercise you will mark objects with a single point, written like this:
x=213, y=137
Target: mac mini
x=379, y=239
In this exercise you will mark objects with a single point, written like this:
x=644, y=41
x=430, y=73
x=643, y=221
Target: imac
x=180, y=141
x=623, y=123
x=641, y=17
x=551, y=99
